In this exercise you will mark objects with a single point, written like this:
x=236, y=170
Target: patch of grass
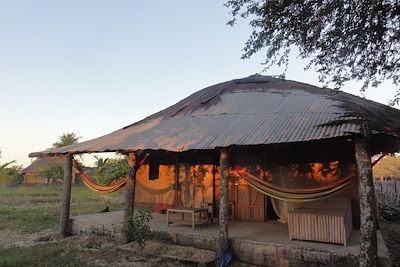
x=36, y=208
x=4, y=180
x=56, y=254
x=28, y=219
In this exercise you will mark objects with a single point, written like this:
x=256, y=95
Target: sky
x=93, y=66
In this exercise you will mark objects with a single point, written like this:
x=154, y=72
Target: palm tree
x=67, y=139
x=100, y=164
x=5, y=165
x=4, y=170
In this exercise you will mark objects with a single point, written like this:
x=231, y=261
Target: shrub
x=136, y=228
x=51, y=173
x=14, y=173
x=113, y=169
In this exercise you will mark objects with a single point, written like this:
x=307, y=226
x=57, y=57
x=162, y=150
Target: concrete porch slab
x=259, y=243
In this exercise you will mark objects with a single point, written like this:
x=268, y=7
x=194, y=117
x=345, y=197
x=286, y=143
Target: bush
x=51, y=173
x=136, y=228
x=14, y=173
x=16, y=179
x=114, y=169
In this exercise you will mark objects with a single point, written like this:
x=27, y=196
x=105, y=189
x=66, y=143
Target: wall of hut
x=34, y=179
x=196, y=185
x=294, y=167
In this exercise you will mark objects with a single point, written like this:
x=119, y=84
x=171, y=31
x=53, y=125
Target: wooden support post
x=213, y=192
x=176, y=188
x=223, y=204
x=130, y=185
x=64, y=219
x=368, y=210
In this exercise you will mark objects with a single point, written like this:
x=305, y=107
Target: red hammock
x=115, y=184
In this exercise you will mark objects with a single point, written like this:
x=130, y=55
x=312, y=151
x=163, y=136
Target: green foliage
x=51, y=172
x=67, y=139
x=111, y=169
x=9, y=175
x=136, y=227
x=100, y=164
x=16, y=177
x=29, y=219
x=344, y=40
x=55, y=254
x=32, y=209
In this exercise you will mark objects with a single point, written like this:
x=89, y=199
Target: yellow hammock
x=297, y=195
x=293, y=195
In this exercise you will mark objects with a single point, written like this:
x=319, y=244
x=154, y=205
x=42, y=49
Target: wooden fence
x=388, y=193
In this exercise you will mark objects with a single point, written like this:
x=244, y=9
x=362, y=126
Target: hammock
x=297, y=195
x=155, y=191
x=293, y=195
x=115, y=184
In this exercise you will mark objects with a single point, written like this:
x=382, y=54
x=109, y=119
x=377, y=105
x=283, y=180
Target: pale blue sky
x=93, y=67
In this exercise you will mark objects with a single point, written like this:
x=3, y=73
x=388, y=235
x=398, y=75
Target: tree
x=14, y=172
x=110, y=169
x=344, y=39
x=11, y=173
x=67, y=139
x=51, y=173
x=100, y=165
x=4, y=166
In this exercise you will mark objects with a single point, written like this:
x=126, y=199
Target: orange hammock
x=115, y=184
x=296, y=195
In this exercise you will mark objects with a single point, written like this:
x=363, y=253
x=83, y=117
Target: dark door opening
x=271, y=214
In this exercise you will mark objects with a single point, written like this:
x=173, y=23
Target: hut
x=32, y=172
x=255, y=149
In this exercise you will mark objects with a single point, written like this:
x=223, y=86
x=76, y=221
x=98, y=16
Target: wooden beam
x=176, y=188
x=130, y=185
x=64, y=218
x=213, y=192
x=368, y=210
x=223, y=204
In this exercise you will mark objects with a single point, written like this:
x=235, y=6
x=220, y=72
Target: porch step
x=179, y=254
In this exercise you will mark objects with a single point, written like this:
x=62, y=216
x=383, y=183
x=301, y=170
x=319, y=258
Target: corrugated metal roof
x=250, y=111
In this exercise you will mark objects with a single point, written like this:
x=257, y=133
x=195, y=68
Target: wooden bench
x=326, y=221
x=192, y=211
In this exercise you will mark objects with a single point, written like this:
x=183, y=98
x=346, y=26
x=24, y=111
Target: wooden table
x=191, y=211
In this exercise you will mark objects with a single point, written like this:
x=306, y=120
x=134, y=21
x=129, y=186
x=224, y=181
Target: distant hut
x=296, y=147
x=32, y=174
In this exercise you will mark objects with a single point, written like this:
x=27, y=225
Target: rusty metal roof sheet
x=250, y=111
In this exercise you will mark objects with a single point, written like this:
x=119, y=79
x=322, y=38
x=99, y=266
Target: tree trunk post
x=176, y=187
x=368, y=210
x=64, y=218
x=130, y=185
x=223, y=204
